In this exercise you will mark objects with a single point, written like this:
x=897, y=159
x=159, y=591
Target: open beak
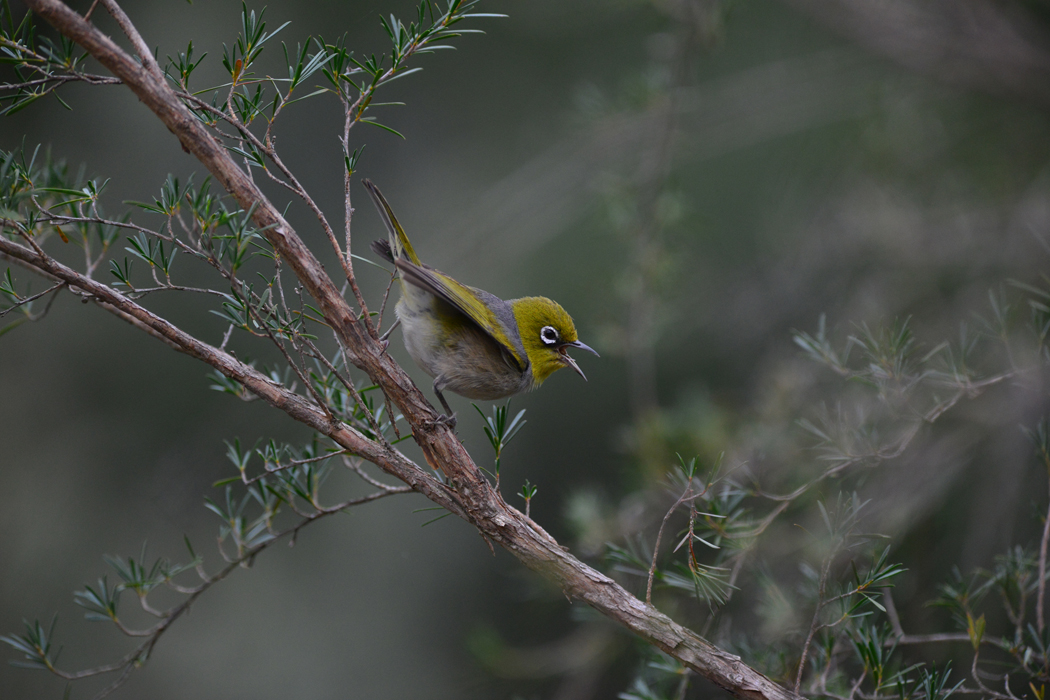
x=563, y=349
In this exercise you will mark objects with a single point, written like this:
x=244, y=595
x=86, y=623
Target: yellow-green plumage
x=472, y=342
x=532, y=314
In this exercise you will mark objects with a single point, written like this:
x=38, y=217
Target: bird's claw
x=445, y=419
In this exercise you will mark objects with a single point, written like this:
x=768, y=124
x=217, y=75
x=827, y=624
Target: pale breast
x=466, y=360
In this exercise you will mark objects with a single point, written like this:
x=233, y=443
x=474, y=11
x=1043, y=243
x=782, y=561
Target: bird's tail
x=398, y=246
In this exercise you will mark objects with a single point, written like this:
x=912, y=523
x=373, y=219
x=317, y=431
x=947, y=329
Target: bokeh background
x=691, y=181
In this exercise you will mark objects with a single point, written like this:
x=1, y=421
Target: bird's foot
x=445, y=419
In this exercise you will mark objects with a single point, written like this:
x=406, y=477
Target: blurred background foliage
x=693, y=181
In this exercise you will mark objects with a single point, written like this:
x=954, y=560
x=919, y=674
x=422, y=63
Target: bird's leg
x=385, y=338
x=449, y=418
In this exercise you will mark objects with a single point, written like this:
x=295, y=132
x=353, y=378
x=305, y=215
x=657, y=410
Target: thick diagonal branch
x=471, y=496
x=298, y=407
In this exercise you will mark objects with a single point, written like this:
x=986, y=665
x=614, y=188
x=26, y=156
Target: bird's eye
x=549, y=335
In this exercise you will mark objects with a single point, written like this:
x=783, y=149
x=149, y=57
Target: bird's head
x=547, y=332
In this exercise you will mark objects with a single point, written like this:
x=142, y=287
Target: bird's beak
x=563, y=349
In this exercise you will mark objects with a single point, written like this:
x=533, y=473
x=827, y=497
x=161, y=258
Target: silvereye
x=471, y=342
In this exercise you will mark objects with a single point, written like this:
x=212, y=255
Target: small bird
x=472, y=342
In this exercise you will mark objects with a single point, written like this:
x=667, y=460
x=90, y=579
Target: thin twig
x=985, y=689
x=891, y=612
x=386, y=295
x=900, y=637
x=355, y=465
x=815, y=623
x=130, y=660
x=349, y=385
x=30, y=300
x=141, y=47
x=295, y=187
x=1040, y=614
x=60, y=80
x=687, y=496
x=248, y=481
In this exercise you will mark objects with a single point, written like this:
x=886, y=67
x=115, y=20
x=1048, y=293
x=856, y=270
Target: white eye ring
x=549, y=335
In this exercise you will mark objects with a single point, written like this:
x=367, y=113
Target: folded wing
x=465, y=300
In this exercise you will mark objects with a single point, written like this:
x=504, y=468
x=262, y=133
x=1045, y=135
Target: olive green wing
x=469, y=301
